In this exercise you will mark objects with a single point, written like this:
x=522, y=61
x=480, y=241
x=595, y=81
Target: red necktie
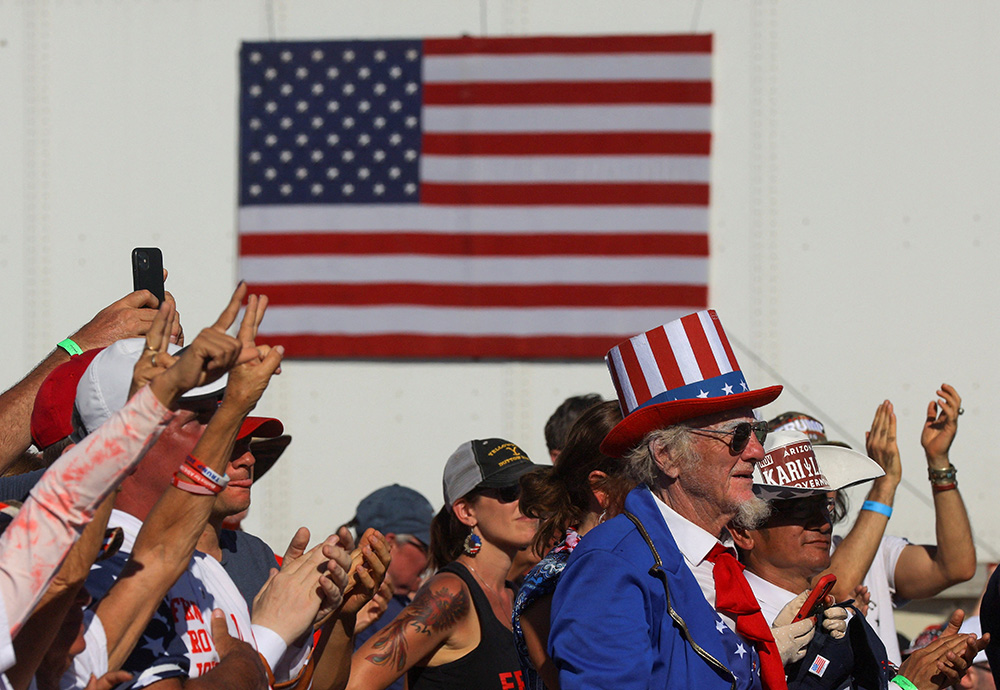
x=734, y=598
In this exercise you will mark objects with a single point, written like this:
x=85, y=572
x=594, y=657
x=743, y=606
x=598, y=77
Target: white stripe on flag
x=567, y=68
x=393, y=218
x=644, y=169
x=626, y=386
x=587, y=118
x=681, y=347
x=440, y=270
x=650, y=369
x=479, y=321
x=721, y=358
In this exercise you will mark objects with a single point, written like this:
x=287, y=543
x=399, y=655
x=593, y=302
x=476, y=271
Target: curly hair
x=560, y=496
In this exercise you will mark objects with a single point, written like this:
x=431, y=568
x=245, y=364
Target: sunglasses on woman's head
x=740, y=434
x=507, y=494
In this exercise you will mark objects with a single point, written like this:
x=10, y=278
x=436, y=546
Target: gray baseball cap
x=491, y=463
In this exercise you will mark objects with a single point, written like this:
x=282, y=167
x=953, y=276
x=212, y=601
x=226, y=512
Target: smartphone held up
x=147, y=270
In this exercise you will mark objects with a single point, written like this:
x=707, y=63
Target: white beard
x=752, y=514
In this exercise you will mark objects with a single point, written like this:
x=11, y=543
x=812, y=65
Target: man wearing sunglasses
x=652, y=598
x=784, y=554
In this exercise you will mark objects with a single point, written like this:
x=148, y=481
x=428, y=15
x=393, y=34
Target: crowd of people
x=676, y=540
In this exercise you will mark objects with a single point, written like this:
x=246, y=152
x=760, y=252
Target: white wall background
x=854, y=218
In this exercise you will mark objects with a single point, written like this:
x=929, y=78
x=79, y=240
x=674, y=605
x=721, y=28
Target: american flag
x=542, y=197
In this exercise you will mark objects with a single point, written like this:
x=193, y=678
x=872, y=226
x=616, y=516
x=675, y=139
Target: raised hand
x=250, y=378
x=334, y=581
x=155, y=359
x=346, y=538
x=941, y=425
x=298, y=545
x=211, y=355
x=880, y=443
x=289, y=601
x=369, y=562
x=129, y=317
x=941, y=663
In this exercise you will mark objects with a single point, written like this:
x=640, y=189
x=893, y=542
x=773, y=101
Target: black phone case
x=147, y=270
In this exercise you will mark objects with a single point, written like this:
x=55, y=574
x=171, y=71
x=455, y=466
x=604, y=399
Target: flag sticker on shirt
x=819, y=666
x=538, y=197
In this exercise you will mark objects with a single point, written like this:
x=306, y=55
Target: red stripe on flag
x=425, y=346
x=441, y=244
x=632, y=194
x=636, y=379
x=700, y=346
x=584, y=144
x=659, y=344
x=364, y=294
x=699, y=43
x=566, y=93
x=725, y=341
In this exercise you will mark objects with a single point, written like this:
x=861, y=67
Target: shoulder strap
x=479, y=599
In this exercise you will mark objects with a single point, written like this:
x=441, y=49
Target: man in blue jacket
x=652, y=598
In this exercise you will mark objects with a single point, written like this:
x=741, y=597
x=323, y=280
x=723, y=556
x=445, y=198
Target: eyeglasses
x=417, y=544
x=507, y=494
x=740, y=434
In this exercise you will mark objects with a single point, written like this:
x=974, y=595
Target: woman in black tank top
x=456, y=633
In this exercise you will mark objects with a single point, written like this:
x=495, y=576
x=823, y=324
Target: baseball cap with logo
x=793, y=467
x=491, y=463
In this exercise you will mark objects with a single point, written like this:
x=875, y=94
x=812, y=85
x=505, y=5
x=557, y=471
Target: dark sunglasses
x=507, y=494
x=803, y=510
x=740, y=434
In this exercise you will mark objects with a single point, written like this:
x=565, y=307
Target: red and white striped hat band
x=685, y=359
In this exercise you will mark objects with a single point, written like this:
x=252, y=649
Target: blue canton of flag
x=331, y=122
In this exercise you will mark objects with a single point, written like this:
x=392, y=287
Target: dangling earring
x=600, y=520
x=472, y=544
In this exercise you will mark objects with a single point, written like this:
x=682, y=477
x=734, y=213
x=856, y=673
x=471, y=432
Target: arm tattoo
x=431, y=611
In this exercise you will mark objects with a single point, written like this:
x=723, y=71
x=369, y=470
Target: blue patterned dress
x=539, y=582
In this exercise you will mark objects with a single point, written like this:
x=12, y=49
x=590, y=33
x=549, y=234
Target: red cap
x=52, y=415
x=261, y=427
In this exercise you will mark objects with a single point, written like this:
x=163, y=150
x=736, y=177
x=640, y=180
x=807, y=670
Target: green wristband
x=70, y=347
x=904, y=682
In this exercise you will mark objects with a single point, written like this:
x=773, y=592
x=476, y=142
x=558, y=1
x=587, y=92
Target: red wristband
x=197, y=478
x=208, y=473
x=191, y=488
x=938, y=488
